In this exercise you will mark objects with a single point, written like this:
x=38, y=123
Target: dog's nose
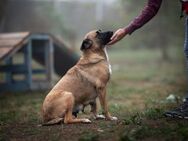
x=110, y=33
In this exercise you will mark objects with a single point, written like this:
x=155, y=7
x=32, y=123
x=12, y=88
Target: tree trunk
x=163, y=36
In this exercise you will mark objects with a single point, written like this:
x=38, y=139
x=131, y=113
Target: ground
x=137, y=93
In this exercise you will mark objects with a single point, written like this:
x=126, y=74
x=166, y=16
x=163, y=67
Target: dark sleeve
x=149, y=11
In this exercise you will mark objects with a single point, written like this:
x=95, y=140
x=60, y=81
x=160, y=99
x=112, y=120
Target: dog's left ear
x=87, y=43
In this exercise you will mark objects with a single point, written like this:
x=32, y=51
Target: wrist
x=125, y=30
x=129, y=29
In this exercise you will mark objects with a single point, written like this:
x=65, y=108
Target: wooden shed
x=28, y=61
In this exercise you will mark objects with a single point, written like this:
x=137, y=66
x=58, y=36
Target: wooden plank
x=41, y=85
x=23, y=86
x=4, y=51
x=14, y=35
x=9, y=68
x=49, y=61
x=9, y=42
x=9, y=74
x=19, y=69
x=40, y=37
x=9, y=51
x=19, y=86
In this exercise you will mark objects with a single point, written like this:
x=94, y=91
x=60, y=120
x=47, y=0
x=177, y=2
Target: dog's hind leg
x=53, y=121
x=68, y=118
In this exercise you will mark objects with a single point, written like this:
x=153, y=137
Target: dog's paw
x=86, y=121
x=99, y=117
x=114, y=118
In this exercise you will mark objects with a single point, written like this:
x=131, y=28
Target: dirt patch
x=72, y=132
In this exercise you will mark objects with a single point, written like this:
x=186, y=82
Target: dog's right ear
x=87, y=43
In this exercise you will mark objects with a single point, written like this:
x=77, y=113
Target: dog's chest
x=108, y=61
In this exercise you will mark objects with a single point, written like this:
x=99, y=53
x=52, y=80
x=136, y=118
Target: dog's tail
x=52, y=122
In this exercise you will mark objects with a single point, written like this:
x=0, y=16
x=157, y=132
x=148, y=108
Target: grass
x=137, y=93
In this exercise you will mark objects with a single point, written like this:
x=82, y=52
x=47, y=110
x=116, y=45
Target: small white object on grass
x=171, y=98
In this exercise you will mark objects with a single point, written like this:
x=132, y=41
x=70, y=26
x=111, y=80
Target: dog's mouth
x=104, y=37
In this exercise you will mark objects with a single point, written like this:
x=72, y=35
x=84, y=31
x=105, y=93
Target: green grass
x=89, y=136
x=137, y=93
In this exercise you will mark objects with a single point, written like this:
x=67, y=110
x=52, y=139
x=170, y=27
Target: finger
x=110, y=43
x=113, y=37
x=113, y=41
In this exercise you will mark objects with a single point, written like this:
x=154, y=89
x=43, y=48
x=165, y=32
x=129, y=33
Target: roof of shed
x=64, y=57
x=11, y=43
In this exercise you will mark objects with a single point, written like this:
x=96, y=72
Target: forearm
x=149, y=11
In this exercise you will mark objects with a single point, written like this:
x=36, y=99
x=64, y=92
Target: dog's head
x=96, y=40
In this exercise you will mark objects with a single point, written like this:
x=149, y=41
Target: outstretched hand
x=118, y=35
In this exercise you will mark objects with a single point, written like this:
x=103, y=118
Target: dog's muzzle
x=105, y=37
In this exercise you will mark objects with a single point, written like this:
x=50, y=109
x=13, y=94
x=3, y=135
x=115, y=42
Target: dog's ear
x=98, y=31
x=87, y=43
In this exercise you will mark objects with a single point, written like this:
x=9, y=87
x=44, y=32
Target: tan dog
x=82, y=84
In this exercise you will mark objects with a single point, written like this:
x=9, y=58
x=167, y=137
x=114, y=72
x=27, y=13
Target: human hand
x=117, y=36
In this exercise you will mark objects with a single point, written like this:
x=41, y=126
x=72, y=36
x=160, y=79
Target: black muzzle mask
x=104, y=37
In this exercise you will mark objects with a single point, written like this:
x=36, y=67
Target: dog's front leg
x=103, y=102
x=94, y=111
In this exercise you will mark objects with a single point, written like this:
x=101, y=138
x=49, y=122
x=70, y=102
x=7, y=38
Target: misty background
x=70, y=20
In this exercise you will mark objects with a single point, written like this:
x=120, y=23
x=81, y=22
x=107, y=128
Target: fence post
x=9, y=73
x=28, y=63
x=49, y=61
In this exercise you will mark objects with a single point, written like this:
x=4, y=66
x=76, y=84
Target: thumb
x=114, y=40
x=114, y=36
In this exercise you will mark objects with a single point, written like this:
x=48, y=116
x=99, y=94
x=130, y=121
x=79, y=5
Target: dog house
x=28, y=61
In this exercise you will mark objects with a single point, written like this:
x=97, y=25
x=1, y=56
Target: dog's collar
x=92, y=60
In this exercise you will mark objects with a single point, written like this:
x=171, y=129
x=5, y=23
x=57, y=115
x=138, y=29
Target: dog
x=82, y=84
